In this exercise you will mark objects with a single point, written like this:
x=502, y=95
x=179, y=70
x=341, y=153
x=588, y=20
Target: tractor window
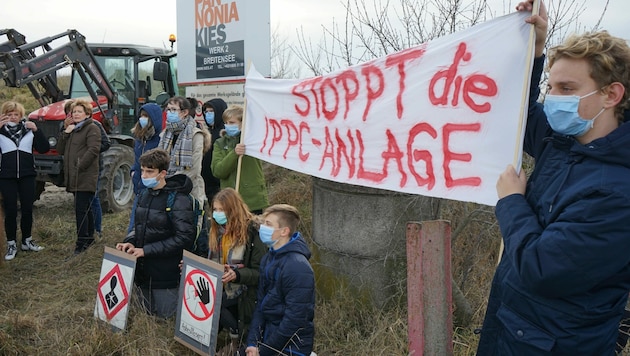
x=119, y=73
x=155, y=87
x=145, y=72
x=173, y=63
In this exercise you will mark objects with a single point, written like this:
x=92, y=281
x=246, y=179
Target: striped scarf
x=232, y=255
x=180, y=150
x=15, y=133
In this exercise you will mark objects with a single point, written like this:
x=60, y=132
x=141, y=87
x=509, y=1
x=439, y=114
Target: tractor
x=117, y=78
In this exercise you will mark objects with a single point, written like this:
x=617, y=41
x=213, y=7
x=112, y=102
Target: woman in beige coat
x=80, y=143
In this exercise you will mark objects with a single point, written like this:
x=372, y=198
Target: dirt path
x=54, y=197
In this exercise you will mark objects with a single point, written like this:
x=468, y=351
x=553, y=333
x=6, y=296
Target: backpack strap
x=197, y=210
x=170, y=201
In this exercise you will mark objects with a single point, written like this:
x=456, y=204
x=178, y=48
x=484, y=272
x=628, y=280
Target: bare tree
x=282, y=61
x=376, y=28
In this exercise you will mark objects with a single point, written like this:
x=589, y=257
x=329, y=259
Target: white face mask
x=11, y=123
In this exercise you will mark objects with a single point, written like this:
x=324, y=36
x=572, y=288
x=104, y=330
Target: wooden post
x=239, y=163
x=429, y=290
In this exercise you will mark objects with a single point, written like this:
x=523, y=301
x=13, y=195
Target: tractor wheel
x=115, y=186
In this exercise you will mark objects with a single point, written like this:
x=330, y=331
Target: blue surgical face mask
x=172, y=117
x=562, y=114
x=150, y=182
x=209, y=116
x=232, y=130
x=144, y=121
x=265, y=233
x=219, y=217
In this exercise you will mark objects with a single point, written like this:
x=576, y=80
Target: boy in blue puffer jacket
x=283, y=318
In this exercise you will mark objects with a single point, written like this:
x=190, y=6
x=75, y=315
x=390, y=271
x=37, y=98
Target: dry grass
x=47, y=303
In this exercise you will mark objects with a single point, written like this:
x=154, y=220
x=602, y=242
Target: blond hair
x=86, y=105
x=288, y=216
x=608, y=56
x=9, y=106
x=233, y=111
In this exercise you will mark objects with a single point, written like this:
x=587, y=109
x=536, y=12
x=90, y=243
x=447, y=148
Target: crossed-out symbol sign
x=108, y=289
x=200, y=304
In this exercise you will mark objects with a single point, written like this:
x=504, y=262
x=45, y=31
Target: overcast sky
x=151, y=22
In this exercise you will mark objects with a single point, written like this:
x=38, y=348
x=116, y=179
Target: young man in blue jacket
x=564, y=277
x=283, y=318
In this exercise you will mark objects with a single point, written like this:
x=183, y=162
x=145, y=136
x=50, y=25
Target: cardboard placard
x=115, y=286
x=199, y=304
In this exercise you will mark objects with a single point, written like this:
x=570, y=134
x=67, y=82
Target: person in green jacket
x=225, y=154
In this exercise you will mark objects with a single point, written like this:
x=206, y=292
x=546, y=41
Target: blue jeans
x=132, y=217
x=96, y=210
x=159, y=302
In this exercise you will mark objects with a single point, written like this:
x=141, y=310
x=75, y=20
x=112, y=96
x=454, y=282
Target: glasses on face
x=173, y=110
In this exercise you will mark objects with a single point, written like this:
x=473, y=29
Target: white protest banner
x=442, y=119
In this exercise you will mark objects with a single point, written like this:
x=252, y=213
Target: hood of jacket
x=179, y=182
x=295, y=244
x=219, y=106
x=613, y=148
x=155, y=114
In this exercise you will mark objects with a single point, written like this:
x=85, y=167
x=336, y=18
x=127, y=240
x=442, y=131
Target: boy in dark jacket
x=283, y=318
x=160, y=236
x=564, y=276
